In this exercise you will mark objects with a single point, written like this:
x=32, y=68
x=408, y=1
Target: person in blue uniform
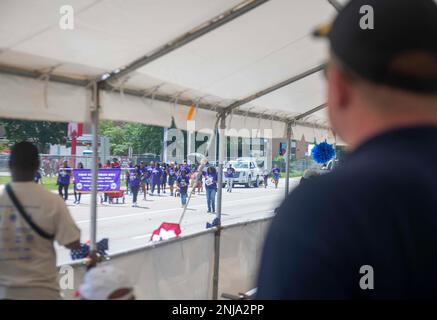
x=63, y=181
x=171, y=172
x=156, y=179
x=127, y=175
x=229, y=175
x=77, y=195
x=368, y=229
x=134, y=183
x=148, y=175
x=164, y=177
x=186, y=167
x=183, y=182
x=143, y=182
x=276, y=175
x=38, y=177
x=211, y=188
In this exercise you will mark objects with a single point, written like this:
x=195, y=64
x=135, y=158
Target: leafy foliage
x=142, y=138
x=42, y=133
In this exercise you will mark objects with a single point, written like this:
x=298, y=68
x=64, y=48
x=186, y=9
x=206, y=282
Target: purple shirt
x=211, y=181
x=64, y=176
x=149, y=171
x=230, y=172
x=144, y=174
x=183, y=183
x=37, y=177
x=186, y=168
x=156, y=175
x=171, y=172
x=275, y=172
x=134, y=178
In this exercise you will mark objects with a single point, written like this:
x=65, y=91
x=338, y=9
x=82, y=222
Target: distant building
x=84, y=145
x=298, y=148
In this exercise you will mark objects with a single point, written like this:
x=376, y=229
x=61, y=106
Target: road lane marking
x=142, y=237
x=165, y=210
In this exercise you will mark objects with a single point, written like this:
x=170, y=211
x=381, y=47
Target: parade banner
x=107, y=180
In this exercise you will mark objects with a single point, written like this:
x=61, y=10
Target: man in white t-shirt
x=27, y=259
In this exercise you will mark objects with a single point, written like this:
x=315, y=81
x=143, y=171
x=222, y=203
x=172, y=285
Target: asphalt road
x=129, y=228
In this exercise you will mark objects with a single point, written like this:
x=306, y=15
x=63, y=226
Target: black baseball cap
x=398, y=48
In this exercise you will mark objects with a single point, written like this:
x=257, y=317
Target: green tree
x=42, y=133
x=142, y=138
x=116, y=137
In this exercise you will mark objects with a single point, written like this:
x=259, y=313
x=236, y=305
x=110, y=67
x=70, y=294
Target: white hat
x=100, y=282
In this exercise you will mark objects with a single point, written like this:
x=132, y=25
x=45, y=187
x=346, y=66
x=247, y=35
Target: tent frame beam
x=310, y=112
x=222, y=110
x=275, y=87
x=337, y=6
x=184, y=39
x=33, y=74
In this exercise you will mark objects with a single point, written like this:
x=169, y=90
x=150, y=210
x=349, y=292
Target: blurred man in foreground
x=31, y=219
x=368, y=230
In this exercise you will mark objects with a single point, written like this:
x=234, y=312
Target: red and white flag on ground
x=166, y=231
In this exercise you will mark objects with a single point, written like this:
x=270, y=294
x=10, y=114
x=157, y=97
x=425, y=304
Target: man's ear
x=339, y=89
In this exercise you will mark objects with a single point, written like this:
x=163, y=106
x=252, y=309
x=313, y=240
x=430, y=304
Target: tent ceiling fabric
x=264, y=46
x=299, y=96
x=31, y=99
x=107, y=34
x=251, y=51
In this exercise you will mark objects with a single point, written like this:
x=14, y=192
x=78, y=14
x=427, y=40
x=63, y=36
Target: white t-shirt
x=28, y=261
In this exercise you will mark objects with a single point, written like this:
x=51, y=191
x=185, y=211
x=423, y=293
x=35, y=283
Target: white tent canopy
x=255, y=50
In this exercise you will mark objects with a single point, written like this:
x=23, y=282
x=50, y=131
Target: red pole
x=73, y=150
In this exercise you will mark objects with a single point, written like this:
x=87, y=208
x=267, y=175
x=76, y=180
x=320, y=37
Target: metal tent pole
x=222, y=140
x=222, y=148
x=165, y=146
x=287, y=160
x=94, y=168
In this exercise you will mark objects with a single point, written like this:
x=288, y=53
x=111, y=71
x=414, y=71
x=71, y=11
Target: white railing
x=183, y=268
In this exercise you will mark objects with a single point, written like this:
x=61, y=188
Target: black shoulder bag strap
x=25, y=216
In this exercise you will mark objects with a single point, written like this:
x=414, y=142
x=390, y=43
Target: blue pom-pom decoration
x=323, y=152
